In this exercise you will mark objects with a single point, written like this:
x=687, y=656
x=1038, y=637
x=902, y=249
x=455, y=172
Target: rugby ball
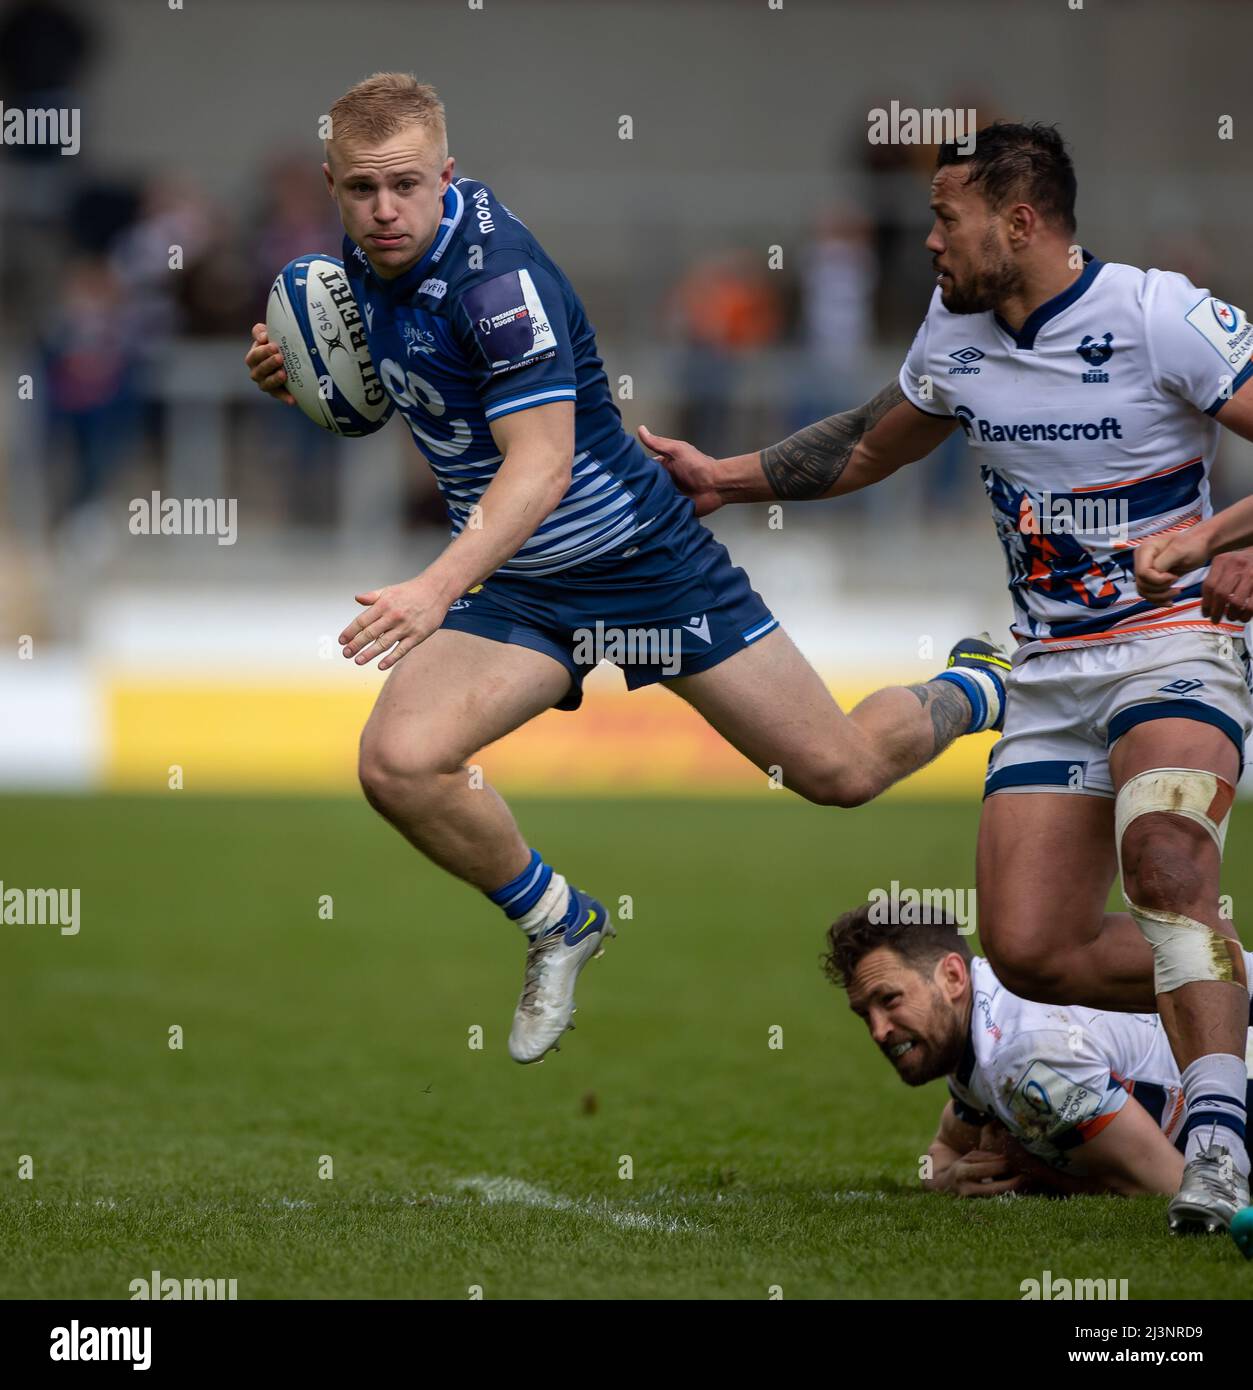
x=313, y=319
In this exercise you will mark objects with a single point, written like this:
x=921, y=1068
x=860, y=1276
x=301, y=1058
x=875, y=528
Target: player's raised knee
x=394, y=772
x=1027, y=963
x=1161, y=863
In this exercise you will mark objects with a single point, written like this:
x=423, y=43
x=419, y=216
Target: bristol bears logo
x=1096, y=354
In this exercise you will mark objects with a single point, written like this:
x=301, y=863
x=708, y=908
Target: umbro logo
x=1180, y=687
x=965, y=358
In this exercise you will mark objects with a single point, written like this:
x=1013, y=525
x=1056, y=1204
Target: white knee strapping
x=1184, y=950
x=1183, y=791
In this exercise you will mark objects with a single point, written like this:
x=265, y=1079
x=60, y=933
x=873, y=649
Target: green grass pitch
x=752, y=1168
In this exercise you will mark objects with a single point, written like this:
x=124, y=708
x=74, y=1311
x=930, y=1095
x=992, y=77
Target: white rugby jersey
x=1094, y=429
x=1055, y=1076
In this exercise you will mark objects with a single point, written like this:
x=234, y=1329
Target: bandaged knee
x=1185, y=951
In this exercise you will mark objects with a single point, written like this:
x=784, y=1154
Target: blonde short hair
x=383, y=105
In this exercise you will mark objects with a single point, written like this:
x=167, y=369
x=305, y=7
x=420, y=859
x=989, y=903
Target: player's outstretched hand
x=395, y=620
x=1160, y=561
x=1228, y=588
x=264, y=361
x=693, y=472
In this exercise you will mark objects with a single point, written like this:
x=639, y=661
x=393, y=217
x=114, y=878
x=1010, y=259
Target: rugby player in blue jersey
x=562, y=527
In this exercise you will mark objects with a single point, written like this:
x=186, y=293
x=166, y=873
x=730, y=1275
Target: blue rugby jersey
x=485, y=325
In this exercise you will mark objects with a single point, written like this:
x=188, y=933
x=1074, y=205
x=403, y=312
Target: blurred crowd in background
x=87, y=270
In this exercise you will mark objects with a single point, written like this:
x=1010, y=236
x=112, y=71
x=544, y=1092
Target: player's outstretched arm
x=537, y=448
x=832, y=457
x=1131, y=1156
x=1161, y=561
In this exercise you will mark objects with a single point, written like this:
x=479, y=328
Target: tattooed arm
x=837, y=455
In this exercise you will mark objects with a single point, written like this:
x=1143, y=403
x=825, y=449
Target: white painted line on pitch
x=516, y=1192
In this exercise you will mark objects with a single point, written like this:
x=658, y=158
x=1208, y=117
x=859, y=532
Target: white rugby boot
x=1211, y=1193
x=553, y=963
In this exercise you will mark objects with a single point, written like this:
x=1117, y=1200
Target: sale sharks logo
x=416, y=340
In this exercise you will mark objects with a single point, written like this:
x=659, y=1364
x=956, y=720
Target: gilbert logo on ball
x=313, y=319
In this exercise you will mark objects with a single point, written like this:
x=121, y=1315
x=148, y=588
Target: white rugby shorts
x=1066, y=709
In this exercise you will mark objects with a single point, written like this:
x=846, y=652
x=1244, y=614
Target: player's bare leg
x=449, y=697
x=1042, y=917
x=1176, y=781
x=770, y=704
x=1171, y=864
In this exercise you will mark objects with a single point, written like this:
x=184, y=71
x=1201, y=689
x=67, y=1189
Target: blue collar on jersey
x=1039, y=316
x=966, y=1067
x=454, y=207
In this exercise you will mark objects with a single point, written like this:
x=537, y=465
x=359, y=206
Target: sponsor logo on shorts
x=1180, y=687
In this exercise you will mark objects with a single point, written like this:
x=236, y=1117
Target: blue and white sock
x=539, y=900
x=985, y=691
x=1214, y=1088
